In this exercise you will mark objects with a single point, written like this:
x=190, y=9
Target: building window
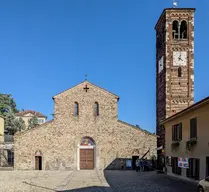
x=177, y=132
x=193, y=128
x=179, y=72
x=194, y=169
x=183, y=30
x=76, y=109
x=175, y=30
x=96, y=109
x=41, y=121
x=174, y=164
x=180, y=30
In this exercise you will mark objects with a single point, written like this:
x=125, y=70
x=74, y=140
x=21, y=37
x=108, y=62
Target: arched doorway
x=87, y=153
x=38, y=160
x=135, y=156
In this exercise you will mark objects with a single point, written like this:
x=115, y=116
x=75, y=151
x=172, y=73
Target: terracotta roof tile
x=22, y=113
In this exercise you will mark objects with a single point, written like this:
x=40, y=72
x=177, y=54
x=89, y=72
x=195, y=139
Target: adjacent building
x=7, y=141
x=84, y=134
x=187, y=137
x=1, y=129
x=6, y=146
x=26, y=115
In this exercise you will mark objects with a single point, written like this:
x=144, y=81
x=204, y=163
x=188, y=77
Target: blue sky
x=47, y=46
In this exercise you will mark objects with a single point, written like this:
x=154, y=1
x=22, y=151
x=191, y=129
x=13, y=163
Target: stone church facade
x=84, y=134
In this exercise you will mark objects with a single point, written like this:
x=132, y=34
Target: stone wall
x=59, y=139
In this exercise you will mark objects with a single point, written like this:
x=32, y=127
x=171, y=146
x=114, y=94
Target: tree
x=13, y=124
x=10, y=125
x=20, y=124
x=8, y=110
x=7, y=103
x=33, y=122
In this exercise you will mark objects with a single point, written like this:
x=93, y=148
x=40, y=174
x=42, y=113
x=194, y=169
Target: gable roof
x=188, y=109
x=36, y=127
x=23, y=113
x=102, y=89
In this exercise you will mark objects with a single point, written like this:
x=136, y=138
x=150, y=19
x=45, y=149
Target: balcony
x=175, y=144
x=190, y=143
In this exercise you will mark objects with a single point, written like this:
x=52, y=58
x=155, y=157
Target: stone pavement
x=46, y=181
x=91, y=181
x=131, y=181
x=86, y=181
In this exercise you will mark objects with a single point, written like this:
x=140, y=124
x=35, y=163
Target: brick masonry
x=173, y=93
x=58, y=140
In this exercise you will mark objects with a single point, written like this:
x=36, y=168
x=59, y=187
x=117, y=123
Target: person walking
x=137, y=165
x=122, y=164
x=142, y=165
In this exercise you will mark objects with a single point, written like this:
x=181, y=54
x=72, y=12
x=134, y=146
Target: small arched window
x=183, y=30
x=179, y=72
x=96, y=109
x=175, y=30
x=76, y=109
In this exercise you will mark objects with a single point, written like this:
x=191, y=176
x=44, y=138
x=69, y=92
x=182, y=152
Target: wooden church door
x=38, y=163
x=86, y=158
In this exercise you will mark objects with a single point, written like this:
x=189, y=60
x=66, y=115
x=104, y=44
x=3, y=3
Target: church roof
x=30, y=130
x=102, y=89
x=136, y=127
x=22, y=113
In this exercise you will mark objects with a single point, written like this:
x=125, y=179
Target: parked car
x=203, y=185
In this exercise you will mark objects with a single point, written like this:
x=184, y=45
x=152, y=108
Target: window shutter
x=197, y=169
x=180, y=131
x=173, y=133
x=172, y=164
x=195, y=127
x=189, y=171
x=190, y=128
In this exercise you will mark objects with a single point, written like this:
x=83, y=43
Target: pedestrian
x=122, y=164
x=142, y=165
x=137, y=164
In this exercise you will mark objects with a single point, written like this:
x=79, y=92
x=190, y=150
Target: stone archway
x=135, y=156
x=86, y=153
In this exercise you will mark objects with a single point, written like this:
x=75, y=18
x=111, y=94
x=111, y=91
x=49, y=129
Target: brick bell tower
x=174, y=67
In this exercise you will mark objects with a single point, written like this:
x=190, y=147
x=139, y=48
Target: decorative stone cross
x=86, y=88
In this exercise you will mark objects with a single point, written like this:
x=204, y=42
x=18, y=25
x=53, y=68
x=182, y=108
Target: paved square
x=91, y=181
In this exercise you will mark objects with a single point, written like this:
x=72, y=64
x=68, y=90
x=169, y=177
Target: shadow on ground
x=89, y=189
x=132, y=181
